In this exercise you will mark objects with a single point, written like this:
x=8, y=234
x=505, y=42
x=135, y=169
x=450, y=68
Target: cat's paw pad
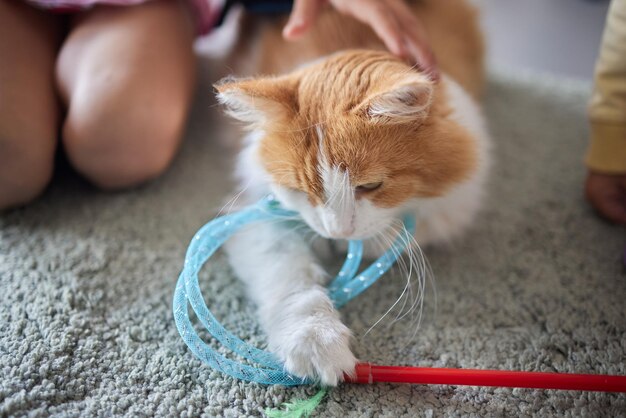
x=320, y=350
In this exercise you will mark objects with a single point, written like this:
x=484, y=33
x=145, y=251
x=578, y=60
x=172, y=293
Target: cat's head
x=349, y=140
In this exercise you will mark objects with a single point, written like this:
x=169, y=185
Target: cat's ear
x=256, y=101
x=407, y=100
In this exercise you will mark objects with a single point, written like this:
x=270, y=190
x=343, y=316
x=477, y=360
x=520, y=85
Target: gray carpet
x=87, y=280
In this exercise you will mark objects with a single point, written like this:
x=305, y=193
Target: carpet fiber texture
x=87, y=278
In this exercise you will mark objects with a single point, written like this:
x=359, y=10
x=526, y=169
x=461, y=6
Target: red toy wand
x=371, y=373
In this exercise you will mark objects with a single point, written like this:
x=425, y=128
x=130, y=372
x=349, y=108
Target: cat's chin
x=358, y=236
x=335, y=236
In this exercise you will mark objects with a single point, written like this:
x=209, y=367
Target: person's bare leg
x=127, y=75
x=29, y=110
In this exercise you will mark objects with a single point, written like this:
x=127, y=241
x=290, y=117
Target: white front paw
x=319, y=349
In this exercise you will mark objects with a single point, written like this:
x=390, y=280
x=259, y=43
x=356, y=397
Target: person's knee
x=125, y=121
x=117, y=146
x=25, y=170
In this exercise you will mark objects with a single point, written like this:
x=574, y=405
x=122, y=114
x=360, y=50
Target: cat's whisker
x=392, y=236
x=419, y=273
x=389, y=236
x=233, y=200
x=283, y=172
x=401, y=297
x=285, y=175
x=409, y=283
x=397, y=266
x=413, y=254
x=315, y=235
x=304, y=128
x=282, y=162
x=407, y=272
x=426, y=273
x=417, y=258
x=400, y=264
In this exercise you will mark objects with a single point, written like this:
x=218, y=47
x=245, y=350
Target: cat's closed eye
x=368, y=187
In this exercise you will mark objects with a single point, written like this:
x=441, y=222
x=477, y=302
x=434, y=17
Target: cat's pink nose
x=337, y=225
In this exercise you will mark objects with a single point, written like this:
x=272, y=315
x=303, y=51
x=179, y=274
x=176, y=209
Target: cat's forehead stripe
x=320, y=134
x=335, y=180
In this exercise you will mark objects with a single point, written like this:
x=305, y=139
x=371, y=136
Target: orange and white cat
x=350, y=137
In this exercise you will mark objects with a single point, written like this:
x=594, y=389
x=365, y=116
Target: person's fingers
x=416, y=38
x=424, y=57
x=380, y=18
x=397, y=26
x=392, y=20
x=420, y=49
x=303, y=15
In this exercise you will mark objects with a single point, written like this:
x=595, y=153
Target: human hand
x=607, y=194
x=392, y=20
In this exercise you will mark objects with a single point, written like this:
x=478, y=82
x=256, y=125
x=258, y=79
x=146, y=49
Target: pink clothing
x=206, y=12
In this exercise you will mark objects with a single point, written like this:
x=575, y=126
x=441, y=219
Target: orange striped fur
x=414, y=157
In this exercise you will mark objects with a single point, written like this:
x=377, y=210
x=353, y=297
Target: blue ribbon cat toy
x=208, y=239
